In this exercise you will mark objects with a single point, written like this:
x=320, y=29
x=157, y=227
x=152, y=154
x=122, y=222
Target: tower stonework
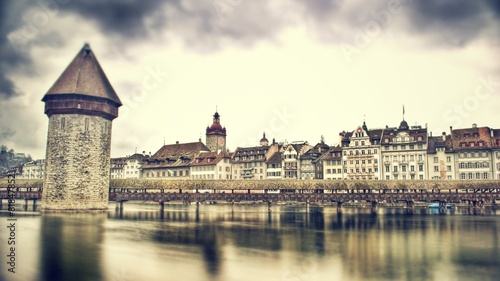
x=216, y=135
x=81, y=106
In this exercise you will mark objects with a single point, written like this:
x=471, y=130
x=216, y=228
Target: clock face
x=221, y=141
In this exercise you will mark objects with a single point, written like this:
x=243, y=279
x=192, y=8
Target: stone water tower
x=81, y=106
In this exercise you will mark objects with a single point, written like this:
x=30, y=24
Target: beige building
x=440, y=158
x=211, y=165
x=474, y=156
x=291, y=158
x=361, y=153
x=332, y=164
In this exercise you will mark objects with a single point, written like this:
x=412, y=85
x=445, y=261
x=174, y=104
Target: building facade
x=211, y=165
x=361, y=153
x=172, y=161
x=474, y=153
x=332, y=162
x=404, y=152
x=292, y=153
x=440, y=158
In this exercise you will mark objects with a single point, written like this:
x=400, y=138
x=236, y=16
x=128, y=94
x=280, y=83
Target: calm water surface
x=249, y=243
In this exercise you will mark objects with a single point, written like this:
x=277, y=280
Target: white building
x=274, y=166
x=33, y=170
x=404, y=152
x=440, y=158
x=211, y=165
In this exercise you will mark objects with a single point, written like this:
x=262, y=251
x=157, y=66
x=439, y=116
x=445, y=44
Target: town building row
x=391, y=153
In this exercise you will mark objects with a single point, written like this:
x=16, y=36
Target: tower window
x=86, y=124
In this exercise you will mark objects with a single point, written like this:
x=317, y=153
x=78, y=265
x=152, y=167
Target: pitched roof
x=210, y=158
x=472, y=138
x=275, y=158
x=435, y=142
x=84, y=76
x=180, y=149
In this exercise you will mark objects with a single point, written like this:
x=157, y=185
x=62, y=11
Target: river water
x=221, y=242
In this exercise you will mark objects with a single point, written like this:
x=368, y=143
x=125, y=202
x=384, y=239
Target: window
x=485, y=175
x=436, y=168
x=387, y=178
x=375, y=151
x=412, y=146
x=471, y=176
x=421, y=177
x=462, y=176
x=86, y=124
x=420, y=168
x=412, y=168
x=448, y=168
x=387, y=169
x=395, y=169
x=448, y=158
x=403, y=168
x=435, y=159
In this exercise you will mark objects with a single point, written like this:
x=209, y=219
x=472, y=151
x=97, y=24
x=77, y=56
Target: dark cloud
x=10, y=13
x=455, y=22
x=127, y=18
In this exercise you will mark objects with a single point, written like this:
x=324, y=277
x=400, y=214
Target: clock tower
x=216, y=135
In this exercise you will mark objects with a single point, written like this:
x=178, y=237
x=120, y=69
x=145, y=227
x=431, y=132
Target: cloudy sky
x=294, y=69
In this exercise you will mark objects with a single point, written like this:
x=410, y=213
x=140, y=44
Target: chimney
x=451, y=129
x=176, y=142
x=444, y=136
x=474, y=125
x=491, y=132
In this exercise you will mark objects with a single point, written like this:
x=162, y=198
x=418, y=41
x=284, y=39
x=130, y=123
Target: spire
x=84, y=76
x=403, y=112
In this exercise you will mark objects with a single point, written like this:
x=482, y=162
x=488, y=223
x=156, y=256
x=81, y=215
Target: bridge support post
x=269, y=206
x=25, y=207
x=374, y=206
x=339, y=207
x=410, y=207
x=197, y=206
x=307, y=205
x=34, y=204
x=119, y=205
x=162, y=206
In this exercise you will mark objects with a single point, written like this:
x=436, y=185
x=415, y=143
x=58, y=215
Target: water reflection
x=70, y=246
x=222, y=242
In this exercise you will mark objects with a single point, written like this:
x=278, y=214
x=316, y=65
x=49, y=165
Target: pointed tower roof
x=84, y=76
